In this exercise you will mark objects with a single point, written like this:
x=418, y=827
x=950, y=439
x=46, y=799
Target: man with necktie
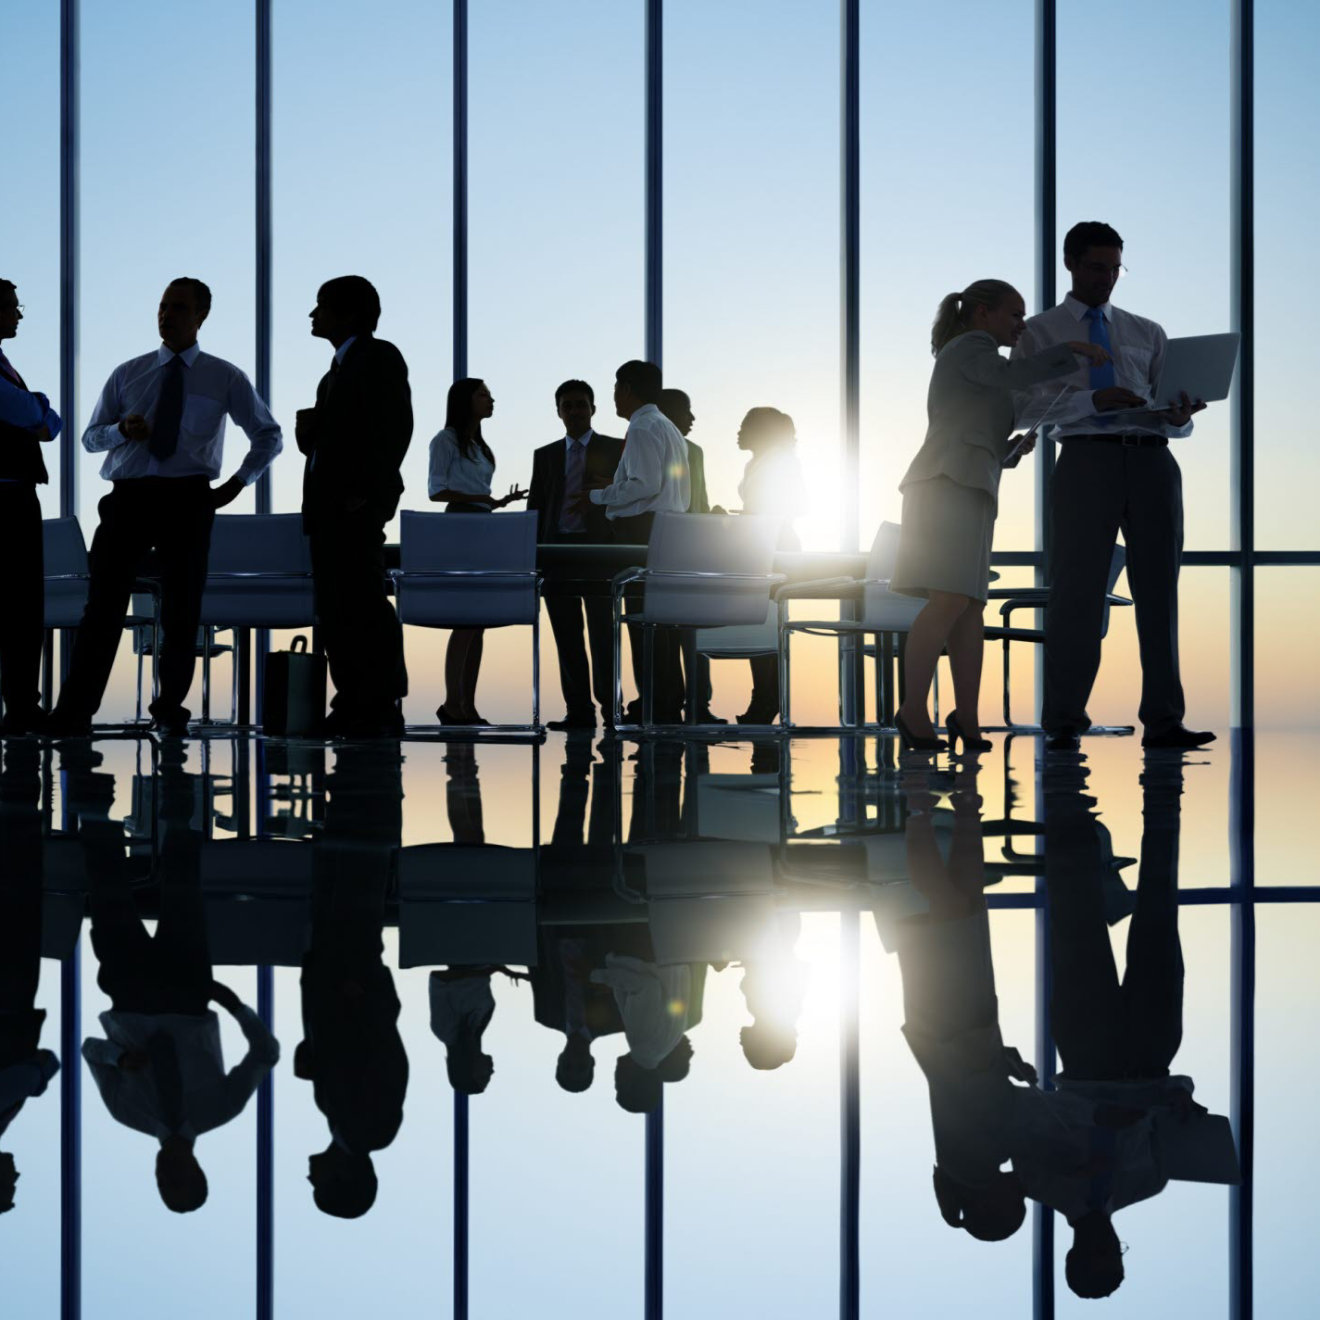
x=355, y=439
x=160, y=422
x=562, y=473
x=1115, y=473
x=26, y=421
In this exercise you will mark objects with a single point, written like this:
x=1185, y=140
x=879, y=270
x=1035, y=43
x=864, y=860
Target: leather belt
x=1133, y=441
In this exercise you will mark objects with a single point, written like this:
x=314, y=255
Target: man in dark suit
x=562, y=472
x=26, y=420
x=355, y=439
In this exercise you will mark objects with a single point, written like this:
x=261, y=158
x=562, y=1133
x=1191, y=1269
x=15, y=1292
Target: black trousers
x=22, y=614
x=1100, y=488
x=169, y=972
x=578, y=680
x=358, y=626
x=1107, y=1028
x=173, y=516
x=667, y=675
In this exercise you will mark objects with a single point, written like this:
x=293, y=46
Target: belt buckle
x=1130, y=441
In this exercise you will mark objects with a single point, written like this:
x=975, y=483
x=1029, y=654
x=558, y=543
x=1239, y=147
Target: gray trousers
x=1099, y=489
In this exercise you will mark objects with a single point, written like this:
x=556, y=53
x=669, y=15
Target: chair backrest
x=478, y=547
x=271, y=545
x=1117, y=562
x=883, y=609
x=721, y=546
x=64, y=551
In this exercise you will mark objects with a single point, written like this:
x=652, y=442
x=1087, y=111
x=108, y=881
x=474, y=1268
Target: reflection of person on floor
x=160, y=1068
x=1129, y=1125
x=25, y=1068
x=658, y=1004
x=774, y=986
x=951, y=1018
x=463, y=793
x=351, y=1049
x=462, y=1006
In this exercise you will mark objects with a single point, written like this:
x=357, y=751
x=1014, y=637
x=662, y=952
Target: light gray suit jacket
x=969, y=408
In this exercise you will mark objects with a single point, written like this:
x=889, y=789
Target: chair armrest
x=1037, y=598
x=486, y=575
x=1016, y=593
x=248, y=575
x=67, y=577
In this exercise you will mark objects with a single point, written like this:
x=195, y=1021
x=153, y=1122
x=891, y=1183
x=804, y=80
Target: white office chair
x=472, y=572
x=701, y=573
x=884, y=613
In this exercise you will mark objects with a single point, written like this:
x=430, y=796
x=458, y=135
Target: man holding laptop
x=1115, y=472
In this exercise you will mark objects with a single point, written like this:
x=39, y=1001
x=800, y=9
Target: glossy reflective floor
x=599, y=1028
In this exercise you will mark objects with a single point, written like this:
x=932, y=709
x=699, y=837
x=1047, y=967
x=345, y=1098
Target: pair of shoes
x=1063, y=739
x=911, y=743
x=23, y=723
x=572, y=722
x=759, y=715
x=61, y=724
x=955, y=730
x=1178, y=736
x=171, y=723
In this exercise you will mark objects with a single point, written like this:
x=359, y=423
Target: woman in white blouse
x=771, y=484
x=462, y=466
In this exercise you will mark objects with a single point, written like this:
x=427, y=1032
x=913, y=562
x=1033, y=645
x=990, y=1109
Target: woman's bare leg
x=929, y=635
x=966, y=654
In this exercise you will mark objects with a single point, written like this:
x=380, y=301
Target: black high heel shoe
x=911, y=743
x=956, y=734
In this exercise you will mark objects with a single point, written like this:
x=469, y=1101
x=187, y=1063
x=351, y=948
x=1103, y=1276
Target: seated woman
x=771, y=484
x=462, y=466
x=951, y=495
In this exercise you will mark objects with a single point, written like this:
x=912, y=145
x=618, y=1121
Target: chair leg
x=1008, y=714
x=206, y=674
x=536, y=667
x=688, y=642
x=648, y=675
x=48, y=669
x=140, y=640
x=618, y=658
x=238, y=651
x=935, y=694
x=785, y=681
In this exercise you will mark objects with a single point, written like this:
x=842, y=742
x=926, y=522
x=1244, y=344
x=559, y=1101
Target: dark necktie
x=570, y=518
x=169, y=412
x=1102, y=378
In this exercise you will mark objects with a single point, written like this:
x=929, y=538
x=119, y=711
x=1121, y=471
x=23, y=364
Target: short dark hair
x=674, y=403
x=10, y=285
x=1089, y=234
x=642, y=378
x=575, y=387
x=201, y=293
x=356, y=297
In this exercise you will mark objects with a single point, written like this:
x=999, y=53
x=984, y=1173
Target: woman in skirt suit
x=951, y=490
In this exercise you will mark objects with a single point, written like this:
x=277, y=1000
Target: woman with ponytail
x=951, y=493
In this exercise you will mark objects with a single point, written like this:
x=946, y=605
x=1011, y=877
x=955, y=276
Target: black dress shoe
x=956, y=735
x=572, y=722
x=758, y=715
x=61, y=724
x=1063, y=739
x=1178, y=736
x=708, y=716
x=23, y=723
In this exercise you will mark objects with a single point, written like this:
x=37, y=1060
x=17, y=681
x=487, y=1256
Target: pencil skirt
x=944, y=543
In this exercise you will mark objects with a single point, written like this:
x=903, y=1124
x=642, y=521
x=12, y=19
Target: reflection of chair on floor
x=467, y=904
x=740, y=807
x=258, y=900
x=1038, y=598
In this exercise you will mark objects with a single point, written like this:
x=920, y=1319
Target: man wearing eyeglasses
x=1115, y=472
x=26, y=420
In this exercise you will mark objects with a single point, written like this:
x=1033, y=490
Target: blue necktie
x=1102, y=378
x=571, y=519
x=169, y=412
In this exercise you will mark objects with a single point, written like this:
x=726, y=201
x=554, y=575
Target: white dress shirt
x=652, y=1001
x=212, y=390
x=450, y=470
x=210, y=1096
x=652, y=476
x=1137, y=346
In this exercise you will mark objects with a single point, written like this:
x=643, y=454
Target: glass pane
x=1130, y=110
x=167, y=190
x=751, y=236
x=1287, y=105
x=32, y=228
x=947, y=198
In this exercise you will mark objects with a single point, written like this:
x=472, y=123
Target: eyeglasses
x=1099, y=268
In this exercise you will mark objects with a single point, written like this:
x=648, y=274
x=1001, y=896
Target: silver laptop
x=1200, y=366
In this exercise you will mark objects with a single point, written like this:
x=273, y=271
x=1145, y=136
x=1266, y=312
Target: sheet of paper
x=1035, y=426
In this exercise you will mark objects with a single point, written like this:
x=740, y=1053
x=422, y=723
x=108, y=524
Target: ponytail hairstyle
x=954, y=317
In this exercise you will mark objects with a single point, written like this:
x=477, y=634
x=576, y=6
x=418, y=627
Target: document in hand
x=1035, y=426
x=1200, y=366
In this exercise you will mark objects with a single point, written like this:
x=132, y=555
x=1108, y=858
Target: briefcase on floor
x=295, y=692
